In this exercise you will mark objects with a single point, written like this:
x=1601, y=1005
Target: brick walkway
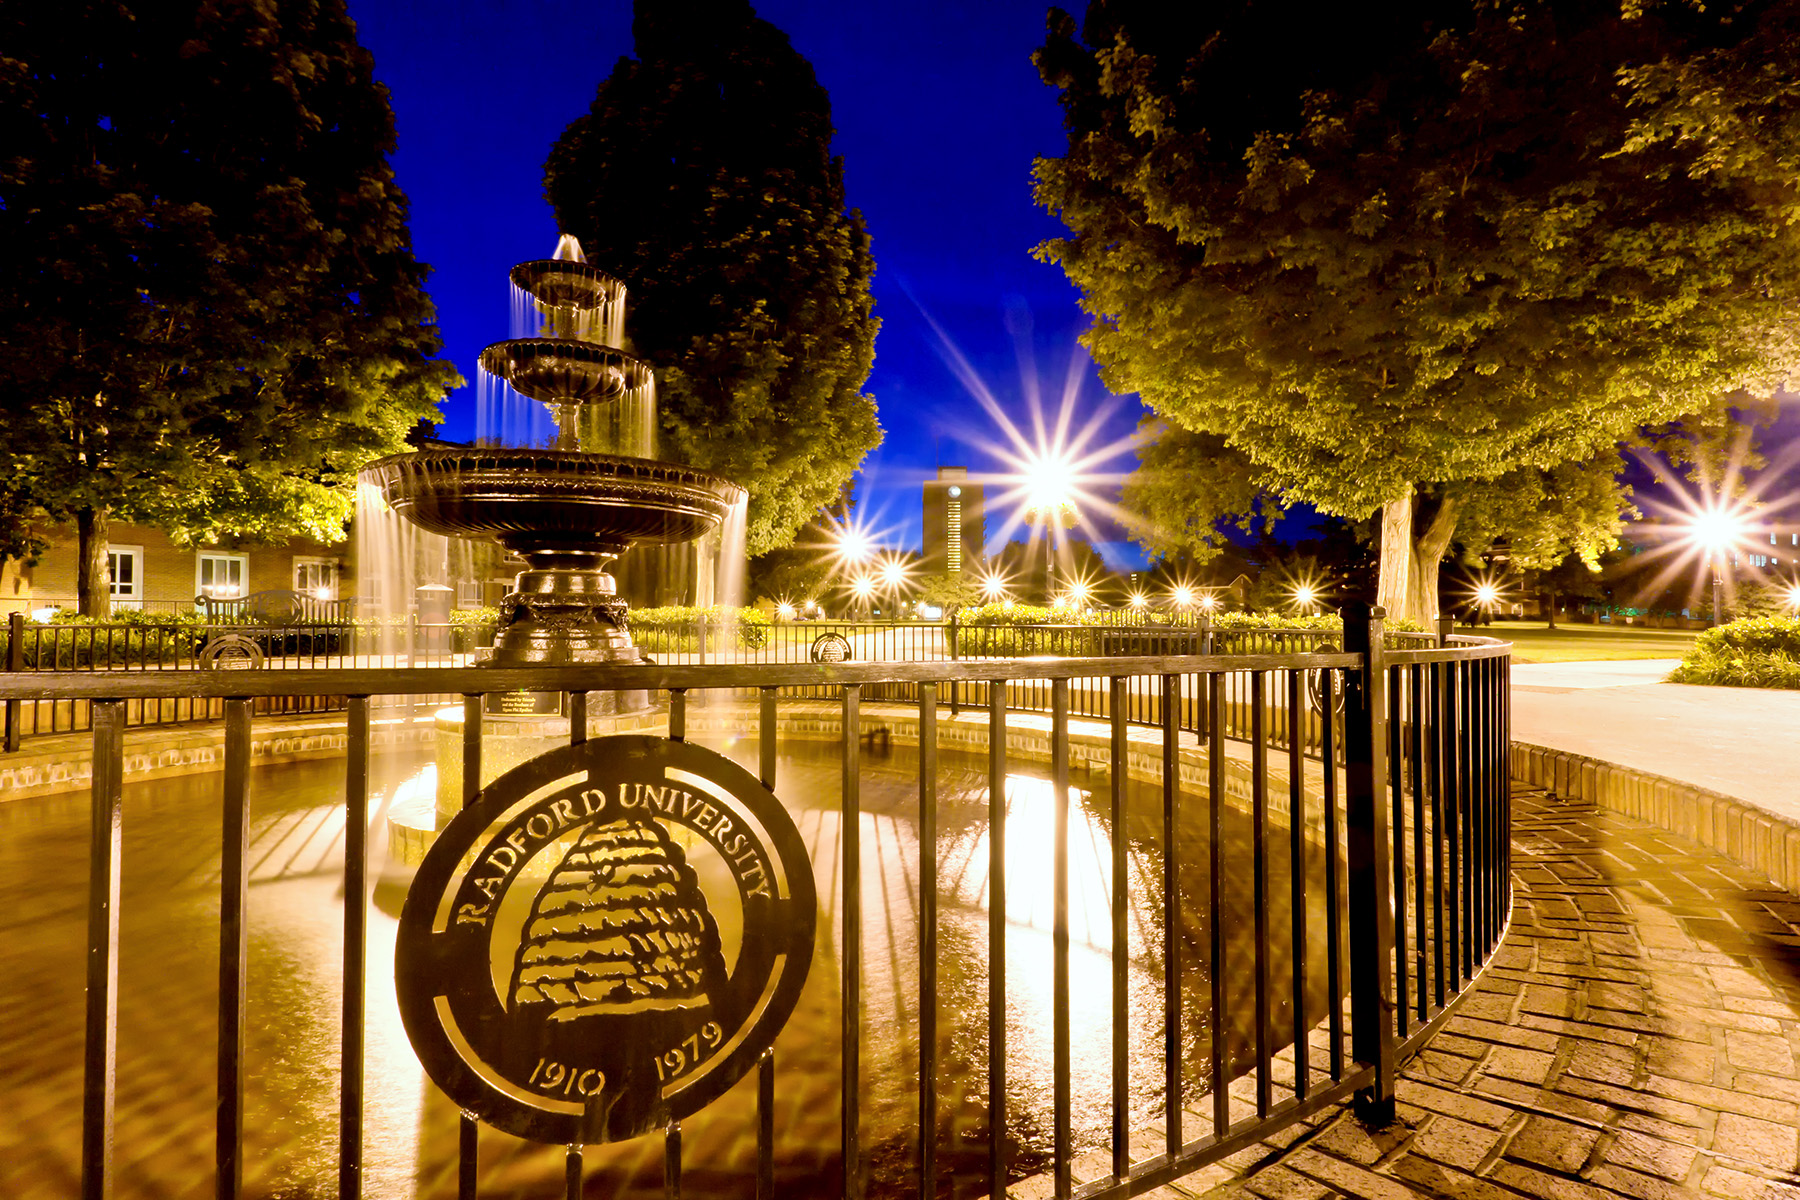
x=1636, y=1038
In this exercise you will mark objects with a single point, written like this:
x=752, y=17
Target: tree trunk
x=1428, y=554
x=1394, y=584
x=1550, y=607
x=1408, y=583
x=93, y=575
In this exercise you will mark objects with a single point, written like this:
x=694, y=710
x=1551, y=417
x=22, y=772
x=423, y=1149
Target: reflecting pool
x=168, y=989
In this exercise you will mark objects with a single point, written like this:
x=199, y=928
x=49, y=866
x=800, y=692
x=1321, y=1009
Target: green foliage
x=951, y=592
x=1187, y=487
x=1374, y=251
x=676, y=630
x=702, y=174
x=474, y=618
x=210, y=313
x=69, y=641
x=1751, y=652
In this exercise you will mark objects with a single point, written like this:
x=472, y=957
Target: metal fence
x=1394, y=810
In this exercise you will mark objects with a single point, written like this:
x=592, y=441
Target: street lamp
x=1305, y=595
x=863, y=588
x=993, y=587
x=1716, y=530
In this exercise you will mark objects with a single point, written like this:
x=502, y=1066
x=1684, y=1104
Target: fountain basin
x=562, y=283
x=564, y=371
x=553, y=503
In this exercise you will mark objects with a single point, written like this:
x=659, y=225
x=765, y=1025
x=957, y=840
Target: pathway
x=1730, y=740
x=1636, y=1038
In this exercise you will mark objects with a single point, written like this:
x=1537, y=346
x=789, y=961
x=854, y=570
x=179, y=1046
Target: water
x=168, y=974
x=394, y=558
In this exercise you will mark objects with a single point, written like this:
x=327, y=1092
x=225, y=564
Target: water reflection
x=168, y=996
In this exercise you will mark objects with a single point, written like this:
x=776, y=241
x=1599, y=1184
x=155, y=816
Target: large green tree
x=703, y=176
x=210, y=312
x=1387, y=254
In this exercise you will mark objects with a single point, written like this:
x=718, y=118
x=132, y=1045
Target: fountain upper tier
x=558, y=283
x=562, y=371
x=552, y=507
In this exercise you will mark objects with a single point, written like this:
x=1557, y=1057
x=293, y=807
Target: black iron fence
x=1376, y=858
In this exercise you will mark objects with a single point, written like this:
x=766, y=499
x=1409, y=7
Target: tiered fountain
x=570, y=510
x=567, y=511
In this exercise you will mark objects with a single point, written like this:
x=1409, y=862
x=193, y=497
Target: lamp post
x=1716, y=530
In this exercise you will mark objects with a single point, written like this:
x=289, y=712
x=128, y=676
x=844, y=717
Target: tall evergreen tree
x=1389, y=253
x=703, y=176
x=210, y=312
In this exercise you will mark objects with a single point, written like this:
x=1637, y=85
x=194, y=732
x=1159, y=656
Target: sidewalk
x=1636, y=1037
x=1730, y=740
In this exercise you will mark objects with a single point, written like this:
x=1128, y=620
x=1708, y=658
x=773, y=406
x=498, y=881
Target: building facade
x=954, y=518
x=150, y=572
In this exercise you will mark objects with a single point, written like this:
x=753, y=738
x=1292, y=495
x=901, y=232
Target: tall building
x=954, y=511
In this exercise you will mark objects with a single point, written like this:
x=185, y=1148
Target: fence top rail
x=121, y=685
x=89, y=685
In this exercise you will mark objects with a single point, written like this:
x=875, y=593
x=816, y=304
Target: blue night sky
x=939, y=113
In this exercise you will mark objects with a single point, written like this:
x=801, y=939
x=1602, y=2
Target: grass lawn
x=1533, y=642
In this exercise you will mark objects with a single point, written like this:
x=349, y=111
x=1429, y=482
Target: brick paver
x=1635, y=1038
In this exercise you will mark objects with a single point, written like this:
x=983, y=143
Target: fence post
x=700, y=636
x=955, y=684
x=1445, y=623
x=15, y=661
x=1367, y=856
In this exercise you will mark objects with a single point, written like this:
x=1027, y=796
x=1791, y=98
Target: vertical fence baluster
x=1121, y=933
x=1297, y=882
x=1453, y=785
x=468, y=1131
x=678, y=714
x=1259, y=885
x=1171, y=911
x=928, y=983
x=671, y=1162
x=1334, y=912
x=1439, y=787
x=1465, y=803
x=1397, y=797
x=1415, y=708
x=996, y=1083
x=851, y=942
x=1060, y=1059
x=100, y=1048
x=356, y=906
x=234, y=895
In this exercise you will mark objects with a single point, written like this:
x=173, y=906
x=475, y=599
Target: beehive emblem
x=621, y=926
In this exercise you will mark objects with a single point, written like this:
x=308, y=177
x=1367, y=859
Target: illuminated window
x=125, y=571
x=221, y=576
x=316, y=577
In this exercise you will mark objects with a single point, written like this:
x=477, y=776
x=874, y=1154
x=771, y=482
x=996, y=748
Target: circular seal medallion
x=605, y=940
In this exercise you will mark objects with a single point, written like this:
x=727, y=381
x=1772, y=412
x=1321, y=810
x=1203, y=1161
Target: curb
x=1759, y=840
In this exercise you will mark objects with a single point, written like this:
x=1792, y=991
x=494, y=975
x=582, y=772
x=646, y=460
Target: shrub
x=69, y=641
x=676, y=630
x=1754, y=652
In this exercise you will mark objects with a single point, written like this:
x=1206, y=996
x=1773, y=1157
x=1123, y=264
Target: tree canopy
x=703, y=176
x=210, y=312
x=1393, y=252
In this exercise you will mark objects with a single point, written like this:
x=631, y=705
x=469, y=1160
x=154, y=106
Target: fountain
x=571, y=509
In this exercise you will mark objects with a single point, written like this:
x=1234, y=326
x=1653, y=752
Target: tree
x=702, y=175
x=951, y=591
x=210, y=313
x=1384, y=254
